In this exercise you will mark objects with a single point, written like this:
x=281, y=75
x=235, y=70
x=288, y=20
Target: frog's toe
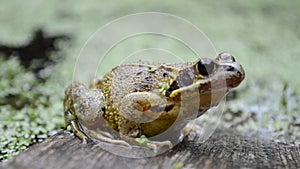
x=108, y=138
x=73, y=126
x=81, y=135
x=157, y=145
x=191, y=131
x=84, y=140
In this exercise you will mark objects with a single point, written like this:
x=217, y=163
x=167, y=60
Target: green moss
x=164, y=87
x=178, y=165
x=142, y=141
x=260, y=107
x=26, y=116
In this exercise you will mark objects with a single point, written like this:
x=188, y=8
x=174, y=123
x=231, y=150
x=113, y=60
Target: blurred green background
x=262, y=35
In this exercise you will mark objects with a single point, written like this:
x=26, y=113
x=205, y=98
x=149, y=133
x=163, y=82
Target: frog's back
x=138, y=77
x=127, y=79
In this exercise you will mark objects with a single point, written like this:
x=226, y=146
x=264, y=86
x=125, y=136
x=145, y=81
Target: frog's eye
x=205, y=66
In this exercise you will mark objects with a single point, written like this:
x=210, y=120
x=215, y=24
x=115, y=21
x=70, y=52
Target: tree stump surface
x=224, y=149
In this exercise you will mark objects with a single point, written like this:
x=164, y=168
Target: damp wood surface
x=224, y=149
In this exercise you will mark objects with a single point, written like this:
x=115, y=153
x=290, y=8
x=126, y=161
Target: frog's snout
x=231, y=67
x=237, y=73
x=235, y=68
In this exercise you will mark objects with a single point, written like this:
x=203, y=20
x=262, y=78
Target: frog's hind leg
x=107, y=137
x=140, y=108
x=70, y=120
x=82, y=107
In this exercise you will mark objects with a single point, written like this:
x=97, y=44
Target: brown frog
x=149, y=100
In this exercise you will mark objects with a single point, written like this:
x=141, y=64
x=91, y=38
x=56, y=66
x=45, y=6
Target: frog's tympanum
x=149, y=100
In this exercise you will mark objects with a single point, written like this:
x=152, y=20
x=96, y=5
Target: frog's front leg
x=155, y=146
x=71, y=121
x=191, y=131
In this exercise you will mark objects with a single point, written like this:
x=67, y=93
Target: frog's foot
x=108, y=138
x=190, y=131
x=76, y=129
x=157, y=145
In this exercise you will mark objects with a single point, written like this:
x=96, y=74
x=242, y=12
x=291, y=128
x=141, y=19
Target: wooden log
x=224, y=149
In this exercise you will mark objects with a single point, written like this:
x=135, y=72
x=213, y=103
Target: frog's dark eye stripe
x=205, y=66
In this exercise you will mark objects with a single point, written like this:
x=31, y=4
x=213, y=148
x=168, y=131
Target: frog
x=149, y=100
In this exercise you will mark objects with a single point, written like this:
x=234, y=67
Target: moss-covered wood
x=224, y=149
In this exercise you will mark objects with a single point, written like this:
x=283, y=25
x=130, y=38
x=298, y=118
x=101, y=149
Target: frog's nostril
x=230, y=68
